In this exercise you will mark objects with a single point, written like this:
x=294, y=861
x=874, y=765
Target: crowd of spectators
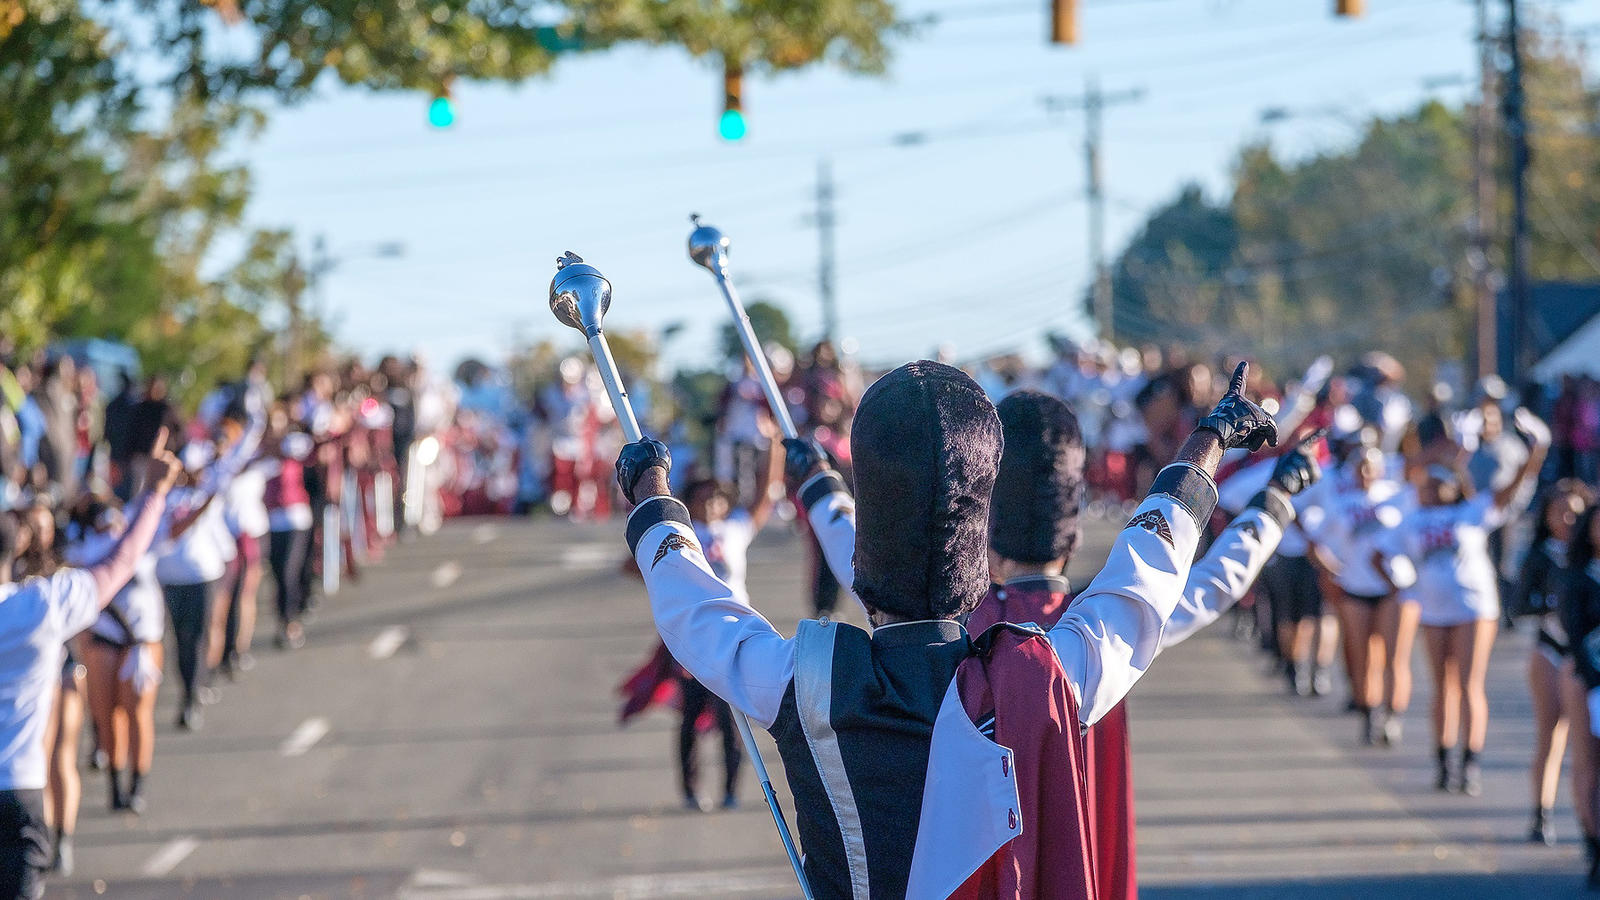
x=308, y=483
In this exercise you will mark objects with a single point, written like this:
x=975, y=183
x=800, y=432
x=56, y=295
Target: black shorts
x=1366, y=600
x=1292, y=588
x=24, y=845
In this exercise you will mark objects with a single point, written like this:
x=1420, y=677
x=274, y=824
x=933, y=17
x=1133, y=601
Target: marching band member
x=1033, y=531
x=910, y=750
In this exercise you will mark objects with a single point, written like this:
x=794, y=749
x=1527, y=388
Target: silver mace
x=580, y=297
x=709, y=248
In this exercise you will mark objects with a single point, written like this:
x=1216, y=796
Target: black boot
x=136, y=803
x=1542, y=831
x=118, y=800
x=1471, y=781
x=1369, y=725
x=1442, y=781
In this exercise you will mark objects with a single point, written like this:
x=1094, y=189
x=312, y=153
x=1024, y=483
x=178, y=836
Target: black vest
x=857, y=774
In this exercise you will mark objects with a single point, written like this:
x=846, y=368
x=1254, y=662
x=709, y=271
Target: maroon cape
x=1052, y=859
x=1108, y=759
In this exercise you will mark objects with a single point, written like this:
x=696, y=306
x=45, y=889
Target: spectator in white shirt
x=36, y=618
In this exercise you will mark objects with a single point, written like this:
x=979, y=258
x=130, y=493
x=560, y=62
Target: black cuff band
x=653, y=512
x=1191, y=487
x=1274, y=503
x=818, y=486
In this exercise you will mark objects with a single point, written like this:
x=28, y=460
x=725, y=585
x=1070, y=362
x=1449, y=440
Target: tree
x=771, y=325
x=113, y=186
x=1366, y=246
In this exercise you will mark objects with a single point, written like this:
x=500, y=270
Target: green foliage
x=114, y=187
x=771, y=325
x=1363, y=247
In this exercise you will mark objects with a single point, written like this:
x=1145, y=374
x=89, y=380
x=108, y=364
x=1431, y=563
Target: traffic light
x=731, y=126
x=1349, y=9
x=1063, y=21
x=441, y=112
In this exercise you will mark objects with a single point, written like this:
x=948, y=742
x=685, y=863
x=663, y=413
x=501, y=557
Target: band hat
x=926, y=445
x=1038, y=493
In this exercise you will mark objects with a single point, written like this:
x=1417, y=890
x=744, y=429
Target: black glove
x=1237, y=421
x=635, y=458
x=801, y=457
x=1297, y=469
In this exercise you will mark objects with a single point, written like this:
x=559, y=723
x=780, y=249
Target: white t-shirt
x=36, y=618
x=726, y=545
x=244, y=506
x=1348, y=523
x=1449, y=548
x=196, y=556
x=139, y=602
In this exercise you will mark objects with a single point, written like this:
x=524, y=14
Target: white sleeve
x=74, y=598
x=831, y=512
x=1223, y=576
x=1112, y=631
x=723, y=642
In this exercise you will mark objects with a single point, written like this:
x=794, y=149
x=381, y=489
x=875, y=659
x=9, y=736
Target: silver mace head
x=579, y=294
x=708, y=246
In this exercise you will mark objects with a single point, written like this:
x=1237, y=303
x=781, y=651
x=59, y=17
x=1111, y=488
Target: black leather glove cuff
x=635, y=458
x=801, y=457
x=1275, y=503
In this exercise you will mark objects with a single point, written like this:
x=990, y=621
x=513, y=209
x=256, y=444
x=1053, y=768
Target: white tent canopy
x=1579, y=354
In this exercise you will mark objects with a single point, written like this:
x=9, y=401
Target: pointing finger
x=1239, y=374
x=161, y=441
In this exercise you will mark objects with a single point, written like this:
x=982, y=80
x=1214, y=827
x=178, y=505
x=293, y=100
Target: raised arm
x=1223, y=576
x=111, y=573
x=1537, y=434
x=770, y=476
x=723, y=642
x=1110, y=634
x=827, y=505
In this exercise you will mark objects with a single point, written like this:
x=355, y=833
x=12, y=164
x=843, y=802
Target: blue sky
x=976, y=238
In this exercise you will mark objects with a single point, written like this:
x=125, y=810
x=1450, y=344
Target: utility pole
x=825, y=256
x=293, y=288
x=1483, y=212
x=1522, y=312
x=1093, y=103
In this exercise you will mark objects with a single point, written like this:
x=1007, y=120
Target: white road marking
x=483, y=534
x=304, y=737
x=440, y=878
x=589, y=556
x=387, y=642
x=632, y=887
x=446, y=574
x=167, y=858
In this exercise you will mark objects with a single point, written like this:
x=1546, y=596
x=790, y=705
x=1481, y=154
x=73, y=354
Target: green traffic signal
x=731, y=126
x=440, y=113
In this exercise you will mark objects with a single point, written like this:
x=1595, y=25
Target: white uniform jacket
x=1105, y=642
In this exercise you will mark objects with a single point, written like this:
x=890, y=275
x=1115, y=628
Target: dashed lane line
x=304, y=737
x=387, y=642
x=171, y=853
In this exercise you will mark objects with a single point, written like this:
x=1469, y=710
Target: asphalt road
x=449, y=733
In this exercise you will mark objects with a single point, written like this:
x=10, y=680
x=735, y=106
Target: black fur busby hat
x=1039, y=491
x=925, y=444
